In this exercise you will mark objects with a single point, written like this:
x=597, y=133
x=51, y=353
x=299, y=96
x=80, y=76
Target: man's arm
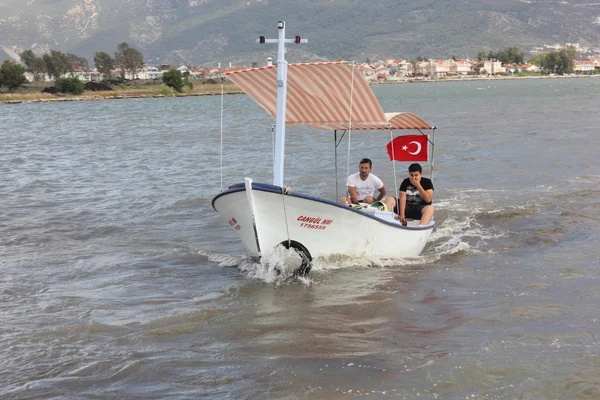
x=402, y=206
x=353, y=194
x=382, y=193
x=426, y=195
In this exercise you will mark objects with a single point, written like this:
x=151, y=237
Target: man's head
x=364, y=167
x=415, y=170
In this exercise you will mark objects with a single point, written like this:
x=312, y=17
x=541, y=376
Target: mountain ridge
x=209, y=31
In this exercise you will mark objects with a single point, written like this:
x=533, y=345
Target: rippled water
x=120, y=281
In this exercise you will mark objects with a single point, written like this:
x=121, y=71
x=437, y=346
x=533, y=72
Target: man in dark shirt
x=416, y=195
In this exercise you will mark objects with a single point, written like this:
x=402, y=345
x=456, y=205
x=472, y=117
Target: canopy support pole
x=337, y=194
x=432, y=152
x=350, y=118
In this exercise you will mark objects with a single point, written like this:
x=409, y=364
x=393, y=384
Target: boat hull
x=263, y=217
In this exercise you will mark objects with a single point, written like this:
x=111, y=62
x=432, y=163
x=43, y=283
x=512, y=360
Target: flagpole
x=396, y=188
x=432, y=151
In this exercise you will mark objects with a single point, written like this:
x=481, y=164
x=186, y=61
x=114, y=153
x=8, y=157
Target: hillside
x=210, y=31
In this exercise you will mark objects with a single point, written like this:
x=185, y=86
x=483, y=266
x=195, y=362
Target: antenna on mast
x=281, y=98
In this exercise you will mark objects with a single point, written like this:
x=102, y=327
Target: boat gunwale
x=265, y=187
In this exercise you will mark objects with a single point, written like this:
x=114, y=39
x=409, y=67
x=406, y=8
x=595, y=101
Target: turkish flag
x=409, y=148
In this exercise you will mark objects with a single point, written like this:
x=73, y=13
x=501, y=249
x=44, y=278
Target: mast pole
x=282, y=68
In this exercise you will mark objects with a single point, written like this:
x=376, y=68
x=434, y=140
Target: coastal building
x=184, y=70
x=461, y=67
x=420, y=68
x=493, y=67
x=84, y=76
x=511, y=68
x=531, y=67
x=150, y=73
x=433, y=68
x=596, y=61
x=536, y=50
x=367, y=72
x=441, y=68
x=382, y=72
x=404, y=67
x=583, y=65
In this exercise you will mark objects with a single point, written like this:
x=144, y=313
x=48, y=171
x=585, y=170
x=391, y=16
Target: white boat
x=326, y=95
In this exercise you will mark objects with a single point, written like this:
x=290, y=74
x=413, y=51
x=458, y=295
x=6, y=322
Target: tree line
x=559, y=62
x=56, y=63
x=510, y=55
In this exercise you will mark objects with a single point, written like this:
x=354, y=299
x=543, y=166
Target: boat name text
x=314, y=222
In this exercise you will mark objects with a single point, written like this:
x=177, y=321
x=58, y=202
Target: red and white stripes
x=325, y=95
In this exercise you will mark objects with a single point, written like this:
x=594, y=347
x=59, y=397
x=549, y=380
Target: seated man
x=416, y=195
x=362, y=186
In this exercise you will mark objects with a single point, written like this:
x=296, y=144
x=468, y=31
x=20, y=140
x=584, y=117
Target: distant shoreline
x=495, y=78
x=32, y=93
x=5, y=98
x=92, y=97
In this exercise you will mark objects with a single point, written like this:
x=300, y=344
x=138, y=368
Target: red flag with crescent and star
x=409, y=148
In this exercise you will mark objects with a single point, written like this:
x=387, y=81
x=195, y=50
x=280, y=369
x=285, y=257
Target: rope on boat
x=337, y=195
x=286, y=190
x=350, y=122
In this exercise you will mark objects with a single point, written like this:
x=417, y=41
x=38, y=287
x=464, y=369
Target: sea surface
x=119, y=281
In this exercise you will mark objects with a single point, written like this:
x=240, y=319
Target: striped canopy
x=327, y=95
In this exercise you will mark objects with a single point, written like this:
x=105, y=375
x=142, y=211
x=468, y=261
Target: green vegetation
x=525, y=74
x=558, y=62
x=69, y=85
x=11, y=75
x=57, y=63
x=54, y=64
x=128, y=59
x=104, y=64
x=176, y=80
x=510, y=55
x=32, y=92
x=34, y=64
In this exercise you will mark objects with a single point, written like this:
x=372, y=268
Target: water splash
x=276, y=266
x=459, y=229
x=223, y=260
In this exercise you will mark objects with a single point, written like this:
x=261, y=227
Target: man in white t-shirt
x=362, y=186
